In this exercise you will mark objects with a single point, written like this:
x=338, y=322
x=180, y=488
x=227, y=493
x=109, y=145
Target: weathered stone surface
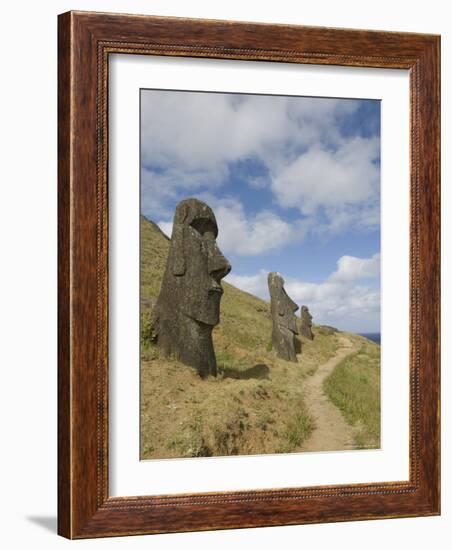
x=188, y=306
x=283, y=319
x=306, y=323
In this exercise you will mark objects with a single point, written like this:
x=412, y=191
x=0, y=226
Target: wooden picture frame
x=85, y=42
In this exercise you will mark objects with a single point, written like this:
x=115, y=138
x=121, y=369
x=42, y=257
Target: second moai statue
x=188, y=306
x=306, y=323
x=284, y=320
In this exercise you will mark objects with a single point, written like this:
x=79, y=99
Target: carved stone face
x=197, y=263
x=289, y=320
x=286, y=307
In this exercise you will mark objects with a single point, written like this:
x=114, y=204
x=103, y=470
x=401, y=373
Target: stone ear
x=178, y=243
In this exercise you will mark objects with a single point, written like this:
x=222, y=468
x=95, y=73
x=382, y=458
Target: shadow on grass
x=259, y=372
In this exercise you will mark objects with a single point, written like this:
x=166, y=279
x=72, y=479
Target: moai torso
x=188, y=306
x=284, y=322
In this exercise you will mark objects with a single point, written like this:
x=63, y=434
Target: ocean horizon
x=374, y=336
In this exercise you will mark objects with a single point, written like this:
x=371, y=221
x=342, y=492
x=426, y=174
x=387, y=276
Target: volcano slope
x=258, y=403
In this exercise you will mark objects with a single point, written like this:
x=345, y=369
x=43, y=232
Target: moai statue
x=306, y=323
x=283, y=318
x=188, y=306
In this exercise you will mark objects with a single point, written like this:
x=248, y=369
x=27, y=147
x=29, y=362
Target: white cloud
x=338, y=301
x=350, y=268
x=202, y=131
x=247, y=235
x=330, y=179
x=254, y=284
x=341, y=304
x=166, y=227
x=251, y=235
x=191, y=140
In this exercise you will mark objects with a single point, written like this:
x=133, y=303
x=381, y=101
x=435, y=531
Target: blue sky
x=294, y=183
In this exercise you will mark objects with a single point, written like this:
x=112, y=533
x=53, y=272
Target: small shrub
x=146, y=336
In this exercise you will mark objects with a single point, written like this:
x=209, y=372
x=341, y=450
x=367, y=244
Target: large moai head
x=195, y=264
x=306, y=323
x=284, y=321
x=188, y=306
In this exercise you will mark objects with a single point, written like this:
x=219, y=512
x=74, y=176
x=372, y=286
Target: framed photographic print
x=248, y=275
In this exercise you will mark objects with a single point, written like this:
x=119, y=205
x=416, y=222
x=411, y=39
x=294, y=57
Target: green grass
x=354, y=387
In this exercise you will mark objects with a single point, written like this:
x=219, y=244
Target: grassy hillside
x=254, y=406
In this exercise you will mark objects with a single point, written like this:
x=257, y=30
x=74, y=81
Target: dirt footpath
x=331, y=432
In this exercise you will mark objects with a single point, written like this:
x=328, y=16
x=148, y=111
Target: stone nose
x=219, y=267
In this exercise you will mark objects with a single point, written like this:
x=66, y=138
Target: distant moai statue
x=306, y=323
x=188, y=306
x=283, y=319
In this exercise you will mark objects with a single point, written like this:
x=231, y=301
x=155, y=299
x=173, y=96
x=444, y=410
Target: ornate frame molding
x=85, y=42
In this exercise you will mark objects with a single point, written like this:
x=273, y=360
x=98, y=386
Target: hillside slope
x=256, y=404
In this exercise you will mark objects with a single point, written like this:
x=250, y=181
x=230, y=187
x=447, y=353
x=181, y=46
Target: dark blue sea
x=374, y=336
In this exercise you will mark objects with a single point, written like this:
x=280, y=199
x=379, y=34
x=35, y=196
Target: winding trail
x=331, y=431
